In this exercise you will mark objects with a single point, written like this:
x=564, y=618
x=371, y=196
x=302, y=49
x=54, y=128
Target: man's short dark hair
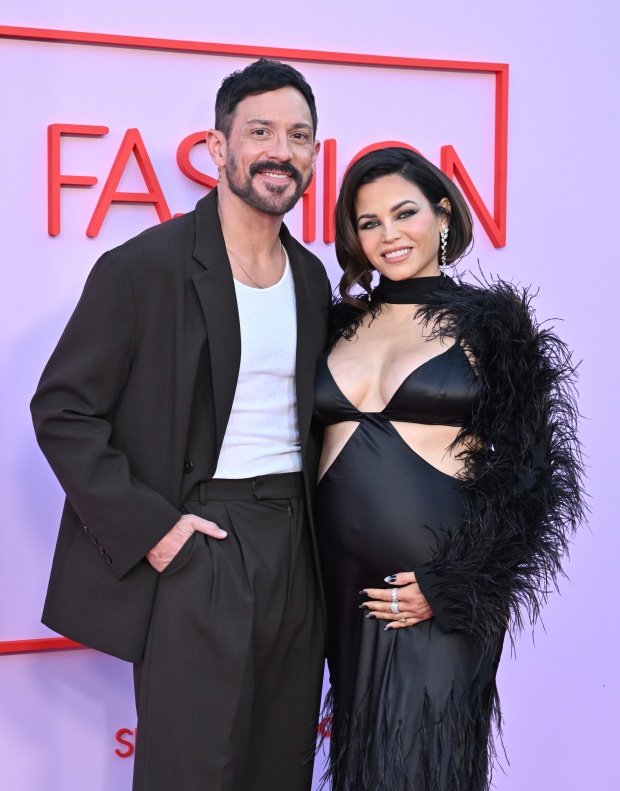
x=262, y=76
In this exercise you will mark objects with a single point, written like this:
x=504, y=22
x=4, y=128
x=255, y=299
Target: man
x=175, y=412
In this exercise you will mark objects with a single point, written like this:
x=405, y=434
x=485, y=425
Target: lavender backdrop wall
x=59, y=712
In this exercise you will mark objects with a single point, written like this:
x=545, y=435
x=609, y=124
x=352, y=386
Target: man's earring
x=443, y=234
x=219, y=175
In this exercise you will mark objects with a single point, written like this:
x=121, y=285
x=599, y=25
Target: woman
x=449, y=483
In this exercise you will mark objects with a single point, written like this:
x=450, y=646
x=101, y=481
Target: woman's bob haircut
x=432, y=183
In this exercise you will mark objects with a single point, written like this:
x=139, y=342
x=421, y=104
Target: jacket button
x=101, y=551
x=85, y=528
x=108, y=560
x=188, y=465
x=94, y=540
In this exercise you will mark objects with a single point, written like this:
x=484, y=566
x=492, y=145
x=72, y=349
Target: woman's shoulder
x=483, y=290
x=459, y=308
x=342, y=312
x=490, y=304
x=344, y=318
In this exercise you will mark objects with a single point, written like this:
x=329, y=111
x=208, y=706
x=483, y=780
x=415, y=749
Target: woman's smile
x=398, y=255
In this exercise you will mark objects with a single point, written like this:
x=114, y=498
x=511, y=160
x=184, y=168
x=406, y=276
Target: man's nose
x=280, y=149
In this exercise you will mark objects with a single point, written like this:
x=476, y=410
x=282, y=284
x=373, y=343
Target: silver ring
x=403, y=620
x=394, y=604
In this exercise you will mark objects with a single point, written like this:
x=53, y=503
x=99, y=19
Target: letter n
x=495, y=226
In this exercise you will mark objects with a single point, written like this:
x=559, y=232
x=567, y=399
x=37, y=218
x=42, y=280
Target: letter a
x=132, y=143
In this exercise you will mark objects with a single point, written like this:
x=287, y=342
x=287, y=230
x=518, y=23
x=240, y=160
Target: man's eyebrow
x=266, y=122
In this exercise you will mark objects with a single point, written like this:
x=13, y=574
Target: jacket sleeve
x=72, y=413
x=524, y=475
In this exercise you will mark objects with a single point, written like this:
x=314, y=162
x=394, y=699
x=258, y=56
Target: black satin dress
x=410, y=707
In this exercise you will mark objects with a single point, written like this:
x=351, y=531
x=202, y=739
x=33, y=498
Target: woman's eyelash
x=401, y=216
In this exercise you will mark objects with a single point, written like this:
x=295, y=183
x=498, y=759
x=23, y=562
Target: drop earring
x=219, y=175
x=443, y=234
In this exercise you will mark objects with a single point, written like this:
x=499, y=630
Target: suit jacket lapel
x=216, y=291
x=306, y=327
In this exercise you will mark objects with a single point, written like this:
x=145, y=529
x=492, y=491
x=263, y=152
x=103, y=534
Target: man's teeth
x=396, y=253
x=276, y=175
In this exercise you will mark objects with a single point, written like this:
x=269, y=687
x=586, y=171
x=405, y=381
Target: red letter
x=329, y=189
x=128, y=744
x=186, y=167
x=308, y=205
x=54, y=178
x=494, y=226
x=132, y=142
x=325, y=727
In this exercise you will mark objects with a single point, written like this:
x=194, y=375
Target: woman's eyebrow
x=402, y=203
x=393, y=209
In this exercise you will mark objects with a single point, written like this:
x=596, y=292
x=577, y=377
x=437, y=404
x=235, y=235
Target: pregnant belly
x=381, y=508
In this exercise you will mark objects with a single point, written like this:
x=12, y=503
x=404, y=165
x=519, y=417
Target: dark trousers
x=229, y=689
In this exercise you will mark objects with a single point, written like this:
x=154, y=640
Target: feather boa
x=523, y=460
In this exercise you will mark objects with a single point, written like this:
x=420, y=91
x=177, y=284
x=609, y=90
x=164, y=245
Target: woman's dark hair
x=262, y=76
x=431, y=182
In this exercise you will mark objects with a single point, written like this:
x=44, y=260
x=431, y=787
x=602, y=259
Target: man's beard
x=276, y=203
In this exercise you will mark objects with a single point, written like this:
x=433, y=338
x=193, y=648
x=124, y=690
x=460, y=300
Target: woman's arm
x=525, y=475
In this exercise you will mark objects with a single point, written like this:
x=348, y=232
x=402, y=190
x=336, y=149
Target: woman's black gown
x=412, y=707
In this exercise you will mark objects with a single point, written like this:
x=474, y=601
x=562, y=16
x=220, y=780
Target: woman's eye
x=366, y=226
x=406, y=213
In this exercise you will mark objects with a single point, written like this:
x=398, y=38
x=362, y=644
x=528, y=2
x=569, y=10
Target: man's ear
x=317, y=148
x=218, y=147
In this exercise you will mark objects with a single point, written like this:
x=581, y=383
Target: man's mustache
x=277, y=167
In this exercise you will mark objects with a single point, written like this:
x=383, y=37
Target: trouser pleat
x=229, y=688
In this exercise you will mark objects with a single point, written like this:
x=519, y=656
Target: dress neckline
x=409, y=376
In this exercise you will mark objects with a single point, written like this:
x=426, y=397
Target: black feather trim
x=523, y=463
x=452, y=748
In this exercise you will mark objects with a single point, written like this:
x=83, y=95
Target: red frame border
x=37, y=645
x=500, y=70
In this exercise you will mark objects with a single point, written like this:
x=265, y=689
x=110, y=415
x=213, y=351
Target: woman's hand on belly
x=412, y=606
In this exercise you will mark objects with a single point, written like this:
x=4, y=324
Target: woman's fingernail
x=391, y=578
x=363, y=606
x=388, y=629
x=371, y=615
x=362, y=593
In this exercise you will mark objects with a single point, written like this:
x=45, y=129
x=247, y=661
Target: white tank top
x=262, y=436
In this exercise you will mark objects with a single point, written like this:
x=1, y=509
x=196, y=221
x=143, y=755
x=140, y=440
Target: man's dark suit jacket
x=132, y=408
